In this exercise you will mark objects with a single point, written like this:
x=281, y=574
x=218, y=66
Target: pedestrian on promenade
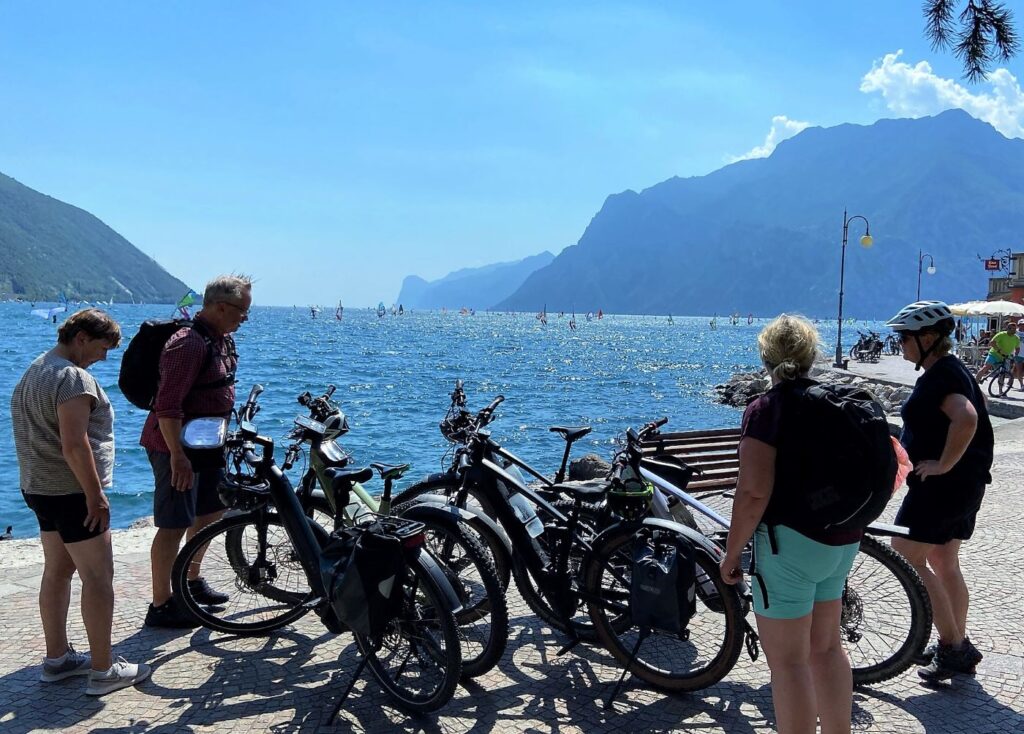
x=948, y=436
x=800, y=574
x=64, y=440
x=197, y=378
x=1002, y=346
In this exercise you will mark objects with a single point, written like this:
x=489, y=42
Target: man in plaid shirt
x=197, y=371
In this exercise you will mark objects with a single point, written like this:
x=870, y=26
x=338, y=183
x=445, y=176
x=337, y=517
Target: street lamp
x=931, y=269
x=866, y=241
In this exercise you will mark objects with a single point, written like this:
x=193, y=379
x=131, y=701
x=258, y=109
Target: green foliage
x=47, y=246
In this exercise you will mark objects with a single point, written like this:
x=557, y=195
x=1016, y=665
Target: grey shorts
x=177, y=510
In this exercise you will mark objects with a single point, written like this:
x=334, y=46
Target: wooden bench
x=714, y=452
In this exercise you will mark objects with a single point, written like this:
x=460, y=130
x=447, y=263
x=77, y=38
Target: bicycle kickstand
x=348, y=689
x=644, y=632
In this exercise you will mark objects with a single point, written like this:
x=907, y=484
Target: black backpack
x=662, y=593
x=139, y=377
x=836, y=446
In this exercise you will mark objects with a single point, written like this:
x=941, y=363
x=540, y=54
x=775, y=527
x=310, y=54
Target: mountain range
x=763, y=236
x=471, y=287
x=48, y=247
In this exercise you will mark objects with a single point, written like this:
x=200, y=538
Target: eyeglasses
x=905, y=335
x=243, y=312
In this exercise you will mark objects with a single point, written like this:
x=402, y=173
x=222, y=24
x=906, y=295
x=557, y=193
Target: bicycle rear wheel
x=251, y=559
x=887, y=617
x=667, y=661
x=417, y=660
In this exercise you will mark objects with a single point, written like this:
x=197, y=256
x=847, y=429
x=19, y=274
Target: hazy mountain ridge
x=48, y=246
x=477, y=288
x=764, y=235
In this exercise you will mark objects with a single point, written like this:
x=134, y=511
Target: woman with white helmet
x=948, y=436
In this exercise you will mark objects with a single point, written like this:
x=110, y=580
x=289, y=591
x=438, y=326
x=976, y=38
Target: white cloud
x=782, y=128
x=916, y=91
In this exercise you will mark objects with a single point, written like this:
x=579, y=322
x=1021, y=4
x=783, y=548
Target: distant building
x=1009, y=287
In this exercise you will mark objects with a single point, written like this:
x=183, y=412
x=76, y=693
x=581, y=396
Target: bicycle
x=881, y=587
x=564, y=569
x=868, y=347
x=453, y=535
x=415, y=656
x=1000, y=379
x=893, y=345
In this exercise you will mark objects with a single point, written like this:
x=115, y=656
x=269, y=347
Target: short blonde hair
x=94, y=323
x=789, y=346
x=227, y=288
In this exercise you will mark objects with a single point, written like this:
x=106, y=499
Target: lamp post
x=865, y=241
x=931, y=269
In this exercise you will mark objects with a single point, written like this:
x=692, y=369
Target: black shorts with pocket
x=941, y=508
x=62, y=513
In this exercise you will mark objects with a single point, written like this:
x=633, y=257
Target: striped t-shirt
x=48, y=382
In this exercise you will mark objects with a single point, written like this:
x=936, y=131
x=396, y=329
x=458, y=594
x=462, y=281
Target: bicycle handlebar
x=250, y=408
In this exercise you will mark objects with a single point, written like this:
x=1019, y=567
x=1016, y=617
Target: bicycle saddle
x=343, y=478
x=571, y=433
x=670, y=469
x=390, y=471
x=589, y=492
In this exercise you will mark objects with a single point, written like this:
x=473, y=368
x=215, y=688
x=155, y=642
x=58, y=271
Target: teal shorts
x=992, y=360
x=802, y=573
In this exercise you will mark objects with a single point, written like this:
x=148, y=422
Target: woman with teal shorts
x=800, y=575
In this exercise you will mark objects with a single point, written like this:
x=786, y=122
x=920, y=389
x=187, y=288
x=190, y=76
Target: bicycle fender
x=482, y=523
x=437, y=479
x=698, y=539
x=431, y=567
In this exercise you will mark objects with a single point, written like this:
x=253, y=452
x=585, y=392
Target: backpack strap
x=228, y=379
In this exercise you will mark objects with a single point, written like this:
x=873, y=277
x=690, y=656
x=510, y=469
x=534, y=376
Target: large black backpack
x=140, y=365
x=836, y=446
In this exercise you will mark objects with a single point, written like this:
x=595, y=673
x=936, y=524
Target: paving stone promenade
x=206, y=682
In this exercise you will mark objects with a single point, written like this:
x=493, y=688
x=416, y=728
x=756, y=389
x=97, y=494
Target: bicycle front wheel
x=1000, y=383
x=671, y=662
x=417, y=659
x=887, y=617
x=251, y=559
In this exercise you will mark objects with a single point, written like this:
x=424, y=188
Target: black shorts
x=940, y=509
x=176, y=510
x=62, y=513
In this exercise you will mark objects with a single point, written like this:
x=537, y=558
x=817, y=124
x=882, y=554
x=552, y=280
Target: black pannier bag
x=663, y=587
x=364, y=574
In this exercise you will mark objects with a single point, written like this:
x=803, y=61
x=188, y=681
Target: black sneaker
x=948, y=662
x=203, y=594
x=170, y=615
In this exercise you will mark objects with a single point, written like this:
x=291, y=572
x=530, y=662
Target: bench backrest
x=714, y=452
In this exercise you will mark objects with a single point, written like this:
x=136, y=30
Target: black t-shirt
x=764, y=420
x=925, y=425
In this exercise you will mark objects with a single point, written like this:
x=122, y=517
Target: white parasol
x=994, y=308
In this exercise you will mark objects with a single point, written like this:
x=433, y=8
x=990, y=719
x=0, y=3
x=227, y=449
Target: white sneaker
x=121, y=675
x=75, y=663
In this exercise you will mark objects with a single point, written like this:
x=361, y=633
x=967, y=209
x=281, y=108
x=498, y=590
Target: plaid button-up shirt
x=181, y=365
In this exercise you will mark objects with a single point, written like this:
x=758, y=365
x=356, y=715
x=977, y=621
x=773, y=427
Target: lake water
x=394, y=376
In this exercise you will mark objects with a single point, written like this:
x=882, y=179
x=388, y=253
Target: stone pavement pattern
x=207, y=682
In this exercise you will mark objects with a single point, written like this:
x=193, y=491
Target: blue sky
x=333, y=150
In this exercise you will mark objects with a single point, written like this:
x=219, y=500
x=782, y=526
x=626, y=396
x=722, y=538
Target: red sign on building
x=992, y=264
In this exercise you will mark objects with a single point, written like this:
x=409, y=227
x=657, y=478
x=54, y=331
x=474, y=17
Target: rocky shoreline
x=745, y=386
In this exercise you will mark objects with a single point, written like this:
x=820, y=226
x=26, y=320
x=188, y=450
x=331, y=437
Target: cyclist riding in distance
x=948, y=436
x=1003, y=346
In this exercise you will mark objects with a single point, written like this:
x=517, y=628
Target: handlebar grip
x=494, y=404
x=330, y=391
x=254, y=393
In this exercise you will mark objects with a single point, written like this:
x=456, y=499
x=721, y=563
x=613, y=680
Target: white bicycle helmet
x=921, y=315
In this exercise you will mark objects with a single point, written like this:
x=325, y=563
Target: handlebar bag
x=365, y=577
